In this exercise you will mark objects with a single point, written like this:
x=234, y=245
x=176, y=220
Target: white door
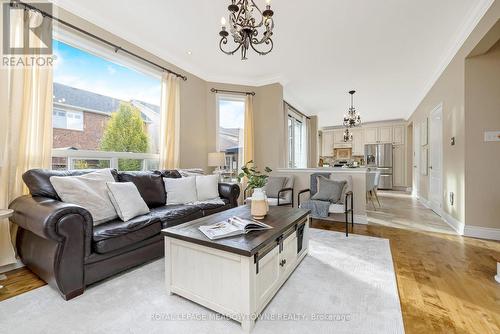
x=435, y=160
x=416, y=160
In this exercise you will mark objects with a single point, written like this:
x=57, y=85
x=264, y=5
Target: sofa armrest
x=54, y=241
x=40, y=215
x=230, y=191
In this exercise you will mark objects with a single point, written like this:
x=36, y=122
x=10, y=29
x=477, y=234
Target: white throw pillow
x=180, y=190
x=126, y=200
x=89, y=191
x=207, y=187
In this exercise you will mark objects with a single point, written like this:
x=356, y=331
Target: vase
x=258, y=207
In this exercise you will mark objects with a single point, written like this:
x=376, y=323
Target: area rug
x=344, y=285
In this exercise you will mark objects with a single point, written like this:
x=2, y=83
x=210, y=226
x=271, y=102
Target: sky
x=231, y=114
x=79, y=69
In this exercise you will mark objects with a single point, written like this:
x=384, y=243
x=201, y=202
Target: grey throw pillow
x=329, y=190
x=274, y=185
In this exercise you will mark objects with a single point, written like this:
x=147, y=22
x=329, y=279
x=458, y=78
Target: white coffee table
x=238, y=276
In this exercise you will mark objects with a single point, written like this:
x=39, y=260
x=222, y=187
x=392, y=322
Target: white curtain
x=25, y=130
x=170, y=122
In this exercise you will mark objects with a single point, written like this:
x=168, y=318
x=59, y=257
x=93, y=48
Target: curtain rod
x=296, y=110
x=213, y=90
x=116, y=47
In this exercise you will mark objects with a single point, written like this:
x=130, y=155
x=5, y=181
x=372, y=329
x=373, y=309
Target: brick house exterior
x=94, y=111
x=88, y=139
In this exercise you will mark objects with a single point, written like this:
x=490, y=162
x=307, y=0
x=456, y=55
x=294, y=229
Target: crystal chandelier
x=245, y=20
x=347, y=135
x=352, y=118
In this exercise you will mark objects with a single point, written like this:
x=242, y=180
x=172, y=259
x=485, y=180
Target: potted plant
x=256, y=180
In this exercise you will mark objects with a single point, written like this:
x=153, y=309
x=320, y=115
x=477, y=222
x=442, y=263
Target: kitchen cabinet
x=380, y=135
x=398, y=135
x=338, y=140
x=338, y=137
x=385, y=135
x=358, y=142
x=371, y=135
x=327, y=144
x=398, y=168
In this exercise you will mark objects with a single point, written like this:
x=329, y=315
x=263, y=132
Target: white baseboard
x=361, y=219
x=456, y=224
x=425, y=202
x=9, y=267
x=482, y=232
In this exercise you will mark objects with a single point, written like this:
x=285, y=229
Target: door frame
x=415, y=191
x=439, y=208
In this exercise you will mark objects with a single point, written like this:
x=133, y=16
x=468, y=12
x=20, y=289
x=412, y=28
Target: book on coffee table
x=231, y=227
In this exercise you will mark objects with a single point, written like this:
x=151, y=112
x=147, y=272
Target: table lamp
x=217, y=159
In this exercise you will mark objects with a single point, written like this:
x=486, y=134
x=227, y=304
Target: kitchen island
x=302, y=181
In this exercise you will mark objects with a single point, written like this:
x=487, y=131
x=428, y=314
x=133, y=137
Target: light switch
x=491, y=136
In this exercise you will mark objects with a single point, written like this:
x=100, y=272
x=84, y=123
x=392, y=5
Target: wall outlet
x=491, y=136
x=452, y=198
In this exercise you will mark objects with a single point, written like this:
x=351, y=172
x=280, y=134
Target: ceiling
x=390, y=51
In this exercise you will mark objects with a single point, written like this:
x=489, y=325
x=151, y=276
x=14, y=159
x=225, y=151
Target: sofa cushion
x=38, y=180
x=126, y=199
x=88, y=191
x=180, y=191
x=117, y=233
x=173, y=212
x=211, y=208
x=149, y=184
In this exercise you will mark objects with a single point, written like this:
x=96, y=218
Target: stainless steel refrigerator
x=379, y=157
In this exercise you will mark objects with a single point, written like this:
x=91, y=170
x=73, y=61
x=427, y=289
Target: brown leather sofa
x=59, y=243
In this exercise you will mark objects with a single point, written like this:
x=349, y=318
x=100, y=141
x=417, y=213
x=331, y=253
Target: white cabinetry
x=398, y=135
x=380, y=135
x=327, y=144
x=398, y=168
x=338, y=136
x=338, y=140
x=371, y=135
x=358, y=142
x=385, y=134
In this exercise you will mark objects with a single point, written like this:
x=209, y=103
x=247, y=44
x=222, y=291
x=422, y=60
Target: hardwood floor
x=445, y=281
x=19, y=281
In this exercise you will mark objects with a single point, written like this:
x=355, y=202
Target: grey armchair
x=344, y=206
x=279, y=191
x=284, y=195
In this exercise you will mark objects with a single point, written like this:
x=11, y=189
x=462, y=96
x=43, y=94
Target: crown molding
x=183, y=65
x=474, y=17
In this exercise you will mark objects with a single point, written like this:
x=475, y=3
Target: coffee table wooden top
x=280, y=218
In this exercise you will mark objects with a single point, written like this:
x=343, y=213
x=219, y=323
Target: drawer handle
x=282, y=262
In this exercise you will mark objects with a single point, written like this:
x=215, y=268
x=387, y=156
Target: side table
x=5, y=213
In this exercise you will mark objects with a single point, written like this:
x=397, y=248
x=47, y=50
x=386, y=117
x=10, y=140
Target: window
x=297, y=140
x=111, y=101
x=67, y=119
x=230, y=134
